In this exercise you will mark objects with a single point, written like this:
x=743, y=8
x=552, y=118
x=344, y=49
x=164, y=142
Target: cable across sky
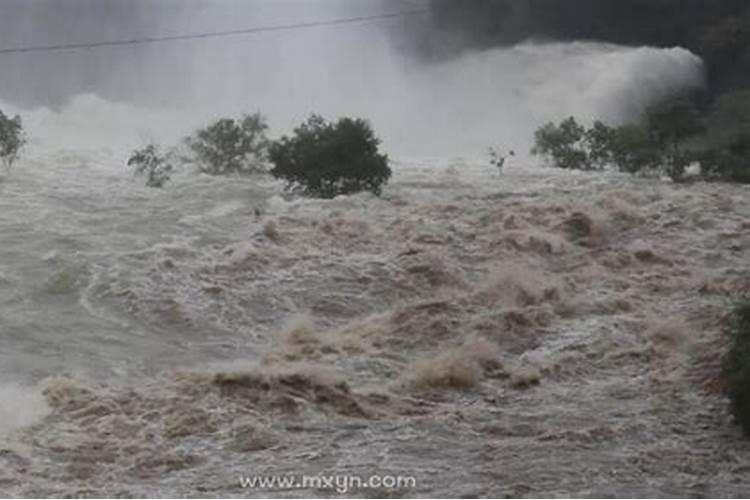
x=211, y=34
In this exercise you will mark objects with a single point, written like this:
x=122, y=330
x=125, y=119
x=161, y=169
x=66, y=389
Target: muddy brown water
x=531, y=334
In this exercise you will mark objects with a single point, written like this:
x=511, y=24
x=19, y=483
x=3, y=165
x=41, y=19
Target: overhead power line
x=211, y=34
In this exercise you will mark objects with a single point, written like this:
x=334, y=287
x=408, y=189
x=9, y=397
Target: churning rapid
x=533, y=333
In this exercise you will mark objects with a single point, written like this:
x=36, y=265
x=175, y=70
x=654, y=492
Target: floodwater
x=526, y=333
x=534, y=333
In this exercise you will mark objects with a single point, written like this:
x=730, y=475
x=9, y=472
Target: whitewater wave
x=531, y=323
x=516, y=324
x=456, y=108
x=20, y=407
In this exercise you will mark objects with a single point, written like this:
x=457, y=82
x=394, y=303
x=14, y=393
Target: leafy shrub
x=497, y=159
x=231, y=146
x=599, y=140
x=729, y=162
x=569, y=145
x=652, y=147
x=563, y=145
x=675, y=120
x=672, y=123
x=633, y=149
x=728, y=159
x=149, y=162
x=737, y=366
x=12, y=138
x=324, y=159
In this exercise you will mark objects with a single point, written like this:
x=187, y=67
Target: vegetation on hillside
x=717, y=120
x=670, y=137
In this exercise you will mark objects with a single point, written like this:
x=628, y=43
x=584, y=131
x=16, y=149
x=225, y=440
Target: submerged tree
x=12, y=138
x=563, y=145
x=598, y=142
x=324, y=159
x=154, y=166
x=498, y=159
x=231, y=146
x=634, y=149
x=672, y=123
x=729, y=162
x=653, y=147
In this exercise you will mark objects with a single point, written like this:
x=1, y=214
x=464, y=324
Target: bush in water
x=231, y=146
x=633, y=149
x=563, y=145
x=154, y=166
x=12, y=138
x=655, y=146
x=324, y=159
x=729, y=162
x=497, y=159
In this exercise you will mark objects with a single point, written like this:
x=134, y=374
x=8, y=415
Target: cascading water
x=456, y=107
x=139, y=302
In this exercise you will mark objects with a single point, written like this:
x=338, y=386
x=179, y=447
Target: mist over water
x=455, y=107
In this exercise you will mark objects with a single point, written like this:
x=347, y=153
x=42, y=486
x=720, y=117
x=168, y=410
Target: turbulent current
x=533, y=333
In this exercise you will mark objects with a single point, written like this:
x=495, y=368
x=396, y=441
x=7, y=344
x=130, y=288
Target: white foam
x=20, y=406
x=456, y=108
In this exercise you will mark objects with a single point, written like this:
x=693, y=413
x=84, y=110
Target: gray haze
x=148, y=73
x=452, y=107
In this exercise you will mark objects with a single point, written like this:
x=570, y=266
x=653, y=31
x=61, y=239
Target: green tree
x=231, y=146
x=675, y=120
x=326, y=159
x=154, y=166
x=629, y=148
x=563, y=145
x=672, y=123
x=12, y=138
x=599, y=140
x=728, y=162
x=634, y=150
